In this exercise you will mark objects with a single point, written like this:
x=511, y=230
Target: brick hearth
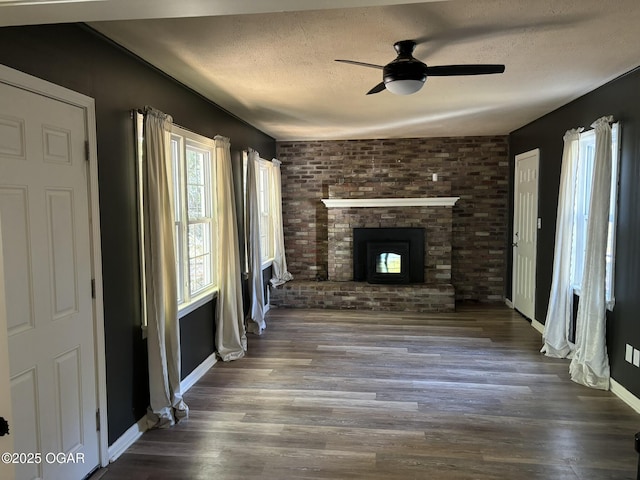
x=364, y=296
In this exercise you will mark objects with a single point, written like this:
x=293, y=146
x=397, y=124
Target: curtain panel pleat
x=560, y=311
x=256, y=319
x=166, y=406
x=230, y=337
x=280, y=273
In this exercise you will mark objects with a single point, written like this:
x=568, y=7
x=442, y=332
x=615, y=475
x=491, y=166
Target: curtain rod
x=142, y=112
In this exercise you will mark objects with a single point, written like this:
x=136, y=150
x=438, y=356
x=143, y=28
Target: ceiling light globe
x=404, y=87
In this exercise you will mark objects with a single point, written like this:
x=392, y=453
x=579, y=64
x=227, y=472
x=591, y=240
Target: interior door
x=7, y=471
x=525, y=225
x=44, y=209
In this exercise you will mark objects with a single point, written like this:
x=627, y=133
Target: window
x=264, y=181
x=265, y=174
x=583, y=197
x=195, y=227
x=195, y=221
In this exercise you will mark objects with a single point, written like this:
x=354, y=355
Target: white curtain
x=166, y=406
x=256, y=287
x=230, y=339
x=560, y=311
x=590, y=363
x=280, y=273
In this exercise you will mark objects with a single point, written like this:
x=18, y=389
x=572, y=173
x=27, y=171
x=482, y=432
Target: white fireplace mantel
x=390, y=202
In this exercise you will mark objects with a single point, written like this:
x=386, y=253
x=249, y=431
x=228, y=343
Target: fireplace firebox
x=388, y=255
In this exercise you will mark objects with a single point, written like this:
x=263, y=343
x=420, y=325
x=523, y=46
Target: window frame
x=188, y=299
x=265, y=206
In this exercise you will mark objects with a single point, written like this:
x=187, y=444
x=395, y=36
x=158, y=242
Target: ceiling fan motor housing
x=405, y=66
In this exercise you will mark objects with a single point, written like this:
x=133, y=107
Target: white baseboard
x=625, y=395
x=127, y=439
x=136, y=430
x=538, y=326
x=191, y=379
x=618, y=390
x=534, y=323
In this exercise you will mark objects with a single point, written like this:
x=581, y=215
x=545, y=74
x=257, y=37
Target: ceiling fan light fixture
x=404, y=87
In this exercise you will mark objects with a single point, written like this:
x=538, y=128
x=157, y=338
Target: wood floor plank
x=364, y=395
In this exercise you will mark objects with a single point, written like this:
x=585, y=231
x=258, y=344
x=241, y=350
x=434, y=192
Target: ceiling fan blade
x=377, y=89
x=362, y=64
x=449, y=70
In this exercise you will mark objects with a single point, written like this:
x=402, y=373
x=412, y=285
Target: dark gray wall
x=77, y=58
x=197, y=337
x=620, y=98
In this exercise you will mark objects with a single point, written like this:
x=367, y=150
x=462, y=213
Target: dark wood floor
x=362, y=395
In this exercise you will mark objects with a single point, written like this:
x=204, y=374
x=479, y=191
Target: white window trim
x=268, y=260
x=197, y=303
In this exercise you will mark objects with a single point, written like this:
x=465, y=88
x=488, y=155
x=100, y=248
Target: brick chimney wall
x=475, y=169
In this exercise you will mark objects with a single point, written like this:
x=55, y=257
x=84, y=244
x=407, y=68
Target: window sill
x=187, y=309
x=267, y=263
x=197, y=303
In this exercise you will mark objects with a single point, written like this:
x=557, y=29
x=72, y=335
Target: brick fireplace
x=348, y=210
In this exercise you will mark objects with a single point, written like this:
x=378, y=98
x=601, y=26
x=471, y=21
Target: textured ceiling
x=276, y=70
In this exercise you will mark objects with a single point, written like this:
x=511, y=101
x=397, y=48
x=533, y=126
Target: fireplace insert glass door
x=388, y=262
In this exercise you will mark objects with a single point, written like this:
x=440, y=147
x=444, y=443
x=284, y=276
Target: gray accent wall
x=620, y=98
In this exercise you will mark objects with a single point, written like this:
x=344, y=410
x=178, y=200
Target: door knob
x=4, y=427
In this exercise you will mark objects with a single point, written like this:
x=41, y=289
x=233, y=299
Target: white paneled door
x=7, y=470
x=44, y=210
x=525, y=225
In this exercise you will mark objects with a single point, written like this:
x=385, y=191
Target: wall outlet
x=636, y=357
x=628, y=355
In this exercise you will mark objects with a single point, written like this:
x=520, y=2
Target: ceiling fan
x=406, y=75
